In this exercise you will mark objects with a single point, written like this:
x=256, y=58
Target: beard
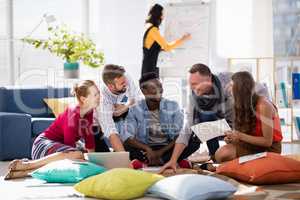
x=122, y=91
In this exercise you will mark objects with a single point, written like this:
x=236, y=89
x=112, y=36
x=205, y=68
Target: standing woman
x=59, y=140
x=153, y=42
x=256, y=122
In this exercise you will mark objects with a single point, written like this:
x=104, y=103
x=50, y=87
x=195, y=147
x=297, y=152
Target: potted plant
x=72, y=47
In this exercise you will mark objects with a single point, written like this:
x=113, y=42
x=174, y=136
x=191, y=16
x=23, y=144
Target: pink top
x=68, y=128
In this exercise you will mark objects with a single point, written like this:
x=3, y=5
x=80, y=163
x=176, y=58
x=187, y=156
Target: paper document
x=151, y=169
x=247, y=158
x=209, y=130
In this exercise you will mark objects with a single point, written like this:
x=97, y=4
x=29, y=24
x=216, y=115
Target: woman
x=153, y=42
x=256, y=122
x=59, y=140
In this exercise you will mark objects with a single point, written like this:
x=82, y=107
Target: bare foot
x=208, y=166
x=211, y=167
x=17, y=165
x=17, y=174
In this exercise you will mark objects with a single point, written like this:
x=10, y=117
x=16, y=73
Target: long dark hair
x=245, y=101
x=155, y=14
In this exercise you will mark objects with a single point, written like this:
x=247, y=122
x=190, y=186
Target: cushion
x=272, y=169
x=67, y=171
x=38, y=125
x=118, y=183
x=58, y=105
x=191, y=187
x=293, y=156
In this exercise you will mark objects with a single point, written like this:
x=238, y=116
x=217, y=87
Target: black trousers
x=213, y=145
x=194, y=145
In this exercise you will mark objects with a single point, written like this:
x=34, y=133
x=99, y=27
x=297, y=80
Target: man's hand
x=153, y=157
x=169, y=165
x=116, y=143
x=122, y=108
x=159, y=153
x=130, y=103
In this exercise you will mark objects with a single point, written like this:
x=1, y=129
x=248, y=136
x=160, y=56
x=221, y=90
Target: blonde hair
x=81, y=89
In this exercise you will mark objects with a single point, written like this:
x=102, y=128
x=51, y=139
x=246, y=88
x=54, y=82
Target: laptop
x=109, y=160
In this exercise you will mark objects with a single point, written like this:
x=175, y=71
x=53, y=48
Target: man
x=153, y=124
x=118, y=93
x=206, y=103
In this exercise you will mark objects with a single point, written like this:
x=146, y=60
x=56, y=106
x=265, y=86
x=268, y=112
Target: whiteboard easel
x=185, y=17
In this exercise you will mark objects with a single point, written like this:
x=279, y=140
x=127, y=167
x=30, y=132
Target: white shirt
x=108, y=100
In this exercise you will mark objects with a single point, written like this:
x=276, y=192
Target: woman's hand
x=232, y=137
x=186, y=36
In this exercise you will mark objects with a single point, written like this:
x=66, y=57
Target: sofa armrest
x=15, y=136
x=38, y=125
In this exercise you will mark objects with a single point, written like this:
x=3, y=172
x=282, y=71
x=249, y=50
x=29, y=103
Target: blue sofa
x=23, y=116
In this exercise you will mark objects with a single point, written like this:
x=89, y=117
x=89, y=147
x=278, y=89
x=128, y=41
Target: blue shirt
x=137, y=121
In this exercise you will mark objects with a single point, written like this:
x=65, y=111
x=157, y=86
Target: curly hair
x=245, y=102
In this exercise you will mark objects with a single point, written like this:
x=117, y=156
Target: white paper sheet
x=247, y=158
x=209, y=130
x=151, y=169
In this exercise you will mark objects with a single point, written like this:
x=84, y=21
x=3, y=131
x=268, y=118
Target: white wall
x=118, y=27
x=262, y=28
x=120, y=32
x=240, y=29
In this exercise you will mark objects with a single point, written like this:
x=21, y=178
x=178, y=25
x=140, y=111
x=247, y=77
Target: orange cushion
x=272, y=169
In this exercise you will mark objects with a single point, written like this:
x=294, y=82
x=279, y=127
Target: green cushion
x=67, y=171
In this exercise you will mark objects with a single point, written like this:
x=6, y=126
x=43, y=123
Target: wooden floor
x=287, y=148
x=34, y=189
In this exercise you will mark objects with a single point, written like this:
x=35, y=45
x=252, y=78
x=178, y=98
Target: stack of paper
x=247, y=158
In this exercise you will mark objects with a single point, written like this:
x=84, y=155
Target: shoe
x=137, y=164
x=185, y=164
